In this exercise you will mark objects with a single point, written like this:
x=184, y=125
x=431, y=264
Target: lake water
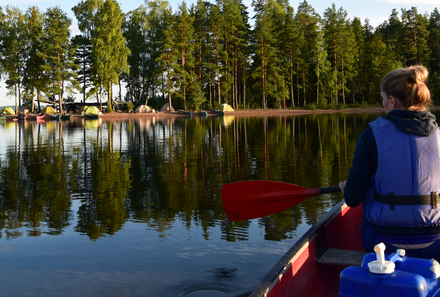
x=133, y=208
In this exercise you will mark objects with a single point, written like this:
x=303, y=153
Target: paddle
x=253, y=199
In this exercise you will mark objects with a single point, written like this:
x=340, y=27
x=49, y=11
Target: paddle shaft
x=327, y=190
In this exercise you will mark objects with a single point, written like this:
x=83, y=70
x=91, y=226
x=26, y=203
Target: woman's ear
x=393, y=101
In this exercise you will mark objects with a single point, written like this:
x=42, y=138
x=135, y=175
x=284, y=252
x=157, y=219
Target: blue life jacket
x=408, y=165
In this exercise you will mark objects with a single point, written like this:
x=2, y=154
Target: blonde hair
x=408, y=85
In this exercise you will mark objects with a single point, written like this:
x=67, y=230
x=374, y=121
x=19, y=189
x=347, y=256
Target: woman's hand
x=342, y=186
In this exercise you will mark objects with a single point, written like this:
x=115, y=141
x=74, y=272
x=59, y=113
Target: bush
x=364, y=104
x=312, y=106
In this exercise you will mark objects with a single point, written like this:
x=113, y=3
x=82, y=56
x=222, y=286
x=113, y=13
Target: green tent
x=81, y=109
x=7, y=110
x=48, y=110
x=91, y=110
x=226, y=107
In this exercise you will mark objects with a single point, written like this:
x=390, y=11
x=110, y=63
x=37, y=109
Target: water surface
x=133, y=208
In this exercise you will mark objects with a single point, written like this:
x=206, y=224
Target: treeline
x=209, y=54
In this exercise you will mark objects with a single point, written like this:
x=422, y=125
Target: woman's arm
x=363, y=167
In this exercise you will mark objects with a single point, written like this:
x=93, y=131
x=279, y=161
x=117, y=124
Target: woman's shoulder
x=367, y=135
x=366, y=143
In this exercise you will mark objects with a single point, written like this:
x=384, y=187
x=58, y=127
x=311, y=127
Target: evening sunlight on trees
x=206, y=54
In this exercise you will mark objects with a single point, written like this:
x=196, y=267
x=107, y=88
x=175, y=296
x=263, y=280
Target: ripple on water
x=204, y=292
x=211, y=290
x=223, y=272
x=219, y=286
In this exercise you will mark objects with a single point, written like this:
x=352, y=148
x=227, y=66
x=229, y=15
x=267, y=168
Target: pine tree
x=183, y=42
x=361, y=37
x=382, y=59
x=136, y=29
x=342, y=47
x=57, y=52
x=323, y=71
x=307, y=21
x=242, y=53
x=415, y=37
x=215, y=27
x=108, y=47
x=392, y=28
x=168, y=55
x=434, y=46
x=391, y=32
x=235, y=37
x=83, y=58
x=158, y=12
x=265, y=71
x=13, y=50
x=290, y=48
x=86, y=14
x=200, y=15
x=34, y=80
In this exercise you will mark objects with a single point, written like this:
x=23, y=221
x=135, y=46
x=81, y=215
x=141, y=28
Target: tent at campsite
x=226, y=107
x=166, y=107
x=48, y=110
x=81, y=109
x=23, y=110
x=142, y=109
x=7, y=110
x=91, y=110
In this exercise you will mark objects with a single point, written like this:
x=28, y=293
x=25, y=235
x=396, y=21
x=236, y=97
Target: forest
x=209, y=54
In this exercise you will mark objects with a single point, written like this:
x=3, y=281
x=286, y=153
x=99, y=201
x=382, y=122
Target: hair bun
x=419, y=74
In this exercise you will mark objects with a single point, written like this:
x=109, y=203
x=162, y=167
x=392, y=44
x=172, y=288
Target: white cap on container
x=380, y=266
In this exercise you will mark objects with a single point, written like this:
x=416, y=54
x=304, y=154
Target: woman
x=396, y=170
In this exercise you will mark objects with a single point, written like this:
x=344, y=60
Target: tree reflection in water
x=90, y=207
x=155, y=172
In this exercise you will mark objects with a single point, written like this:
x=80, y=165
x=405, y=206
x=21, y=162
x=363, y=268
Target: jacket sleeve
x=363, y=168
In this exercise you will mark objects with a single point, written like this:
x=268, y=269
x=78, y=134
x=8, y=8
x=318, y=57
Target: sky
x=377, y=11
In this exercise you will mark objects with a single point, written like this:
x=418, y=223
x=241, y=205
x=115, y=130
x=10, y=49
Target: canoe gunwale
x=219, y=112
x=185, y=112
x=91, y=116
x=274, y=275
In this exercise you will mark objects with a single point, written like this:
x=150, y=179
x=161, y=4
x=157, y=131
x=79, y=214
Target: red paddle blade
x=253, y=199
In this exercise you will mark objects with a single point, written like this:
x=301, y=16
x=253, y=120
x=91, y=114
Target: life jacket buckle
x=392, y=201
x=434, y=200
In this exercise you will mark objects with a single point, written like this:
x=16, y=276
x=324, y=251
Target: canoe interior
x=298, y=273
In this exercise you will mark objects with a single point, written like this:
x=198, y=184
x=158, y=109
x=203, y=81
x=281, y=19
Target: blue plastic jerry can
x=395, y=275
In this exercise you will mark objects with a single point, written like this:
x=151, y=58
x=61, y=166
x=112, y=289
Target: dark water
x=133, y=208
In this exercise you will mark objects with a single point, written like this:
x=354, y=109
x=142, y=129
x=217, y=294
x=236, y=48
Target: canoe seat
x=341, y=257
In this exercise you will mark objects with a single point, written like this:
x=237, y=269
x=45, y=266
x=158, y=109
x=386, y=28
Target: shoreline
x=121, y=115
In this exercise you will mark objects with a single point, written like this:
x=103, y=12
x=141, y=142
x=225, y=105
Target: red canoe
x=312, y=266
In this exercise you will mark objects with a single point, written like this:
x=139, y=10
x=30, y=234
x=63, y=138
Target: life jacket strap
x=393, y=200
